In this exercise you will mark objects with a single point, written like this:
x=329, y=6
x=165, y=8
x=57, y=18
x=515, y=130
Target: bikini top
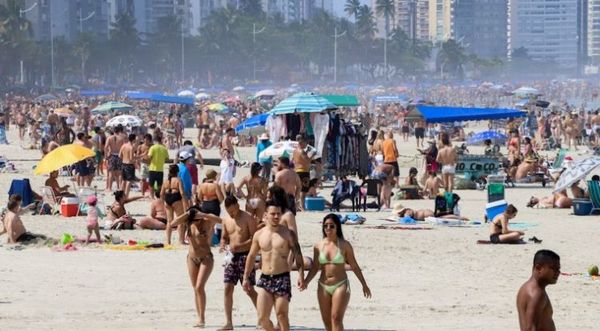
x=210, y=195
x=337, y=259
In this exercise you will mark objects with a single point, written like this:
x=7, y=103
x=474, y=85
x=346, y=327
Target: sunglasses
x=329, y=226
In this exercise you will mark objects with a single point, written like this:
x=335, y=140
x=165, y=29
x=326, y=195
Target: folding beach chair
x=594, y=192
x=373, y=189
x=558, y=160
x=49, y=198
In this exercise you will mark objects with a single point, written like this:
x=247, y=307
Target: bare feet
x=227, y=327
x=200, y=325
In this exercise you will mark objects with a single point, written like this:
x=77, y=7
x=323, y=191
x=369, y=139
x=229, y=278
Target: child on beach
x=92, y=219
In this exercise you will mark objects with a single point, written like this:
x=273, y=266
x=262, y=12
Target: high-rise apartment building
x=593, y=31
x=549, y=30
x=481, y=26
x=294, y=10
x=412, y=16
x=441, y=27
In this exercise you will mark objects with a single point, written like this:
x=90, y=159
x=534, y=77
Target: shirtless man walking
x=238, y=230
x=447, y=158
x=127, y=155
x=533, y=303
x=111, y=152
x=302, y=166
x=274, y=242
x=420, y=132
x=287, y=179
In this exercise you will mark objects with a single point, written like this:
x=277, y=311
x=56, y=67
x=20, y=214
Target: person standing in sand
x=128, y=158
x=330, y=257
x=257, y=191
x=200, y=260
x=111, y=152
x=238, y=230
x=447, y=158
x=287, y=179
x=390, y=155
x=302, y=160
x=533, y=303
x=274, y=242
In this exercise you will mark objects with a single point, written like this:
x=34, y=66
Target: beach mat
x=138, y=247
x=487, y=242
x=452, y=223
x=398, y=227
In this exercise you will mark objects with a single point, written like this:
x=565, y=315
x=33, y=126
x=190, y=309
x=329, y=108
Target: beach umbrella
x=282, y=148
x=202, y=96
x=46, y=97
x=253, y=126
x=265, y=94
x=186, y=93
x=526, y=92
x=110, y=106
x=576, y=172
x=480, y=137
x=64, y=112
x=63, y=156
x=239, y=89
x=218, y=107
x=125, y=120
x=303, y=103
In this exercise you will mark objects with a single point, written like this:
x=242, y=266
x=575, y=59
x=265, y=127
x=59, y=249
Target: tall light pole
x=385, y=59
x=335, y=38
x=51, y=48
x=21, y=12
x=254, y=33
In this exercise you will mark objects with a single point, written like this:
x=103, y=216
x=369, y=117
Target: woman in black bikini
x=171, y=193
x=499, y=231
x=117, y=213
x=200, y=259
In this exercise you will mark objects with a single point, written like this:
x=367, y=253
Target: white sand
x=421, y=280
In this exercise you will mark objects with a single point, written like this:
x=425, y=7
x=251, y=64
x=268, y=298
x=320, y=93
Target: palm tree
x=451, y=58
x=365, y=23
x=351, y=8
x=386, y=9
x=12, y=24
x=125, y=41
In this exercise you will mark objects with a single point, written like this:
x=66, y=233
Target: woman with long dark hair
x=330, y=257
x=172, y=194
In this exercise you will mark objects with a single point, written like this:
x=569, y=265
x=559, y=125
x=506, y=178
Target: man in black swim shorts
x=274, y=242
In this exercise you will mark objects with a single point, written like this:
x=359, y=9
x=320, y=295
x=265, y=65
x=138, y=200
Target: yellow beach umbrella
x=61, y=157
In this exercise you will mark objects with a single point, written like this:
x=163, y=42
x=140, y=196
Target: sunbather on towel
x=499, y=231
x=558, y=200
x=421, y=214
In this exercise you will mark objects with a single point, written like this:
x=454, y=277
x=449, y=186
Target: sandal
x=535, y=240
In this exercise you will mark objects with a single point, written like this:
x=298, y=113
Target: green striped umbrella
x=303, y=103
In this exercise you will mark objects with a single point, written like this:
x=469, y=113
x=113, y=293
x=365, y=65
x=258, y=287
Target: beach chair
x=594, y=192
x=558, y=160
x=49, y=198
x=22, y=188
x=373, y=189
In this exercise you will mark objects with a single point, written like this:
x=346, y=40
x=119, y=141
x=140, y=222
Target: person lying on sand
x=558, y=200
x=499, y=231
x=421, y=214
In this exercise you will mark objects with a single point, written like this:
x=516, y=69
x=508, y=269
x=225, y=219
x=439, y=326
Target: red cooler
x=69, y=206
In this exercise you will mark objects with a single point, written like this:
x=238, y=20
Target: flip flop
x=535, y=240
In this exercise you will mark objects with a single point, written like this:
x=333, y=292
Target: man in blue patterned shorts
x=274, y=242
x=238, y=230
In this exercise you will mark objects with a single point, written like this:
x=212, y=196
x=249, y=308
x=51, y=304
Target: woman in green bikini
x=331, y=256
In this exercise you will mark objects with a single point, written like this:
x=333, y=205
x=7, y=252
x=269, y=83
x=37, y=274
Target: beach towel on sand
x=487, y=242
x=352, y=219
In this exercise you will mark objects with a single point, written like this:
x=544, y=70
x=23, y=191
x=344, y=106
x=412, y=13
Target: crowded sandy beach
x=421, y=268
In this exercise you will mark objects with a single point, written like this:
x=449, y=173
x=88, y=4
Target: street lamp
x=385, y=61
x=21, y=12
x=335, y=38
x=81, y=20
x=254, y=33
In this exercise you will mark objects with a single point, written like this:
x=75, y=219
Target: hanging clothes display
x=320, y=128
x=276, y=127
x=294, y=125
x=347, y=152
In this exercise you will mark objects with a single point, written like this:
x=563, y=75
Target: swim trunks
x=234, y=271
x=305, y=179
x=114, y=162
x=128, y=172
x=291, y=203
x=82, y=168
x=278, y=285
x=380, y=175
x=449, y=169
x=420, y=133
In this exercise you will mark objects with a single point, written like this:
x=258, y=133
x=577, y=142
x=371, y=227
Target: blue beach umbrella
x=253, y=126
x=303, y=103
x=480, y=137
